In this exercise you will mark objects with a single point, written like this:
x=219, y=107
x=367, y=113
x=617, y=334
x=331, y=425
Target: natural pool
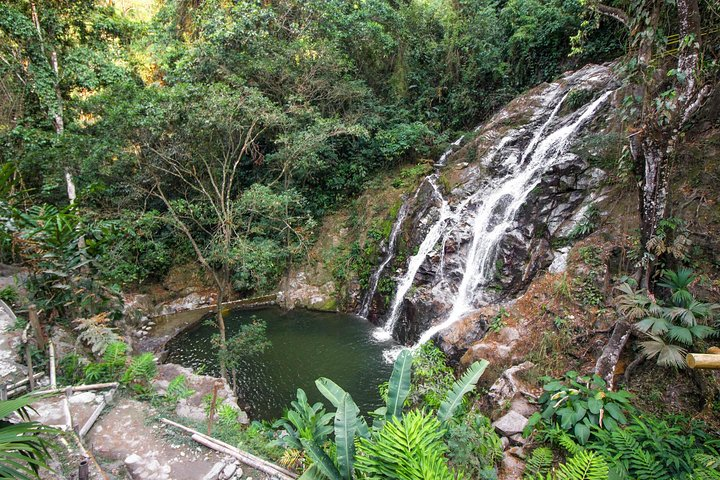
x=305, y=345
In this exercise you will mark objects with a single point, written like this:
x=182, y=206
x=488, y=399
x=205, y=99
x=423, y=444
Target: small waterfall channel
x=489, y=213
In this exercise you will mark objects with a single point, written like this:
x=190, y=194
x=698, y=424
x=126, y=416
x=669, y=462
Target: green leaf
x=330, y=390
x=579, y=413
x=345, y=427
x=594, y=405
x=614, y=410
x=465, y=384
x=609, y=423
x=399, y=387
x=312, y=473
x=553, y=386
x=321, y=459
x=582, y=433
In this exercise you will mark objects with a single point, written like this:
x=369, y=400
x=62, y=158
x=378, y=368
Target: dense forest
x=255, y=143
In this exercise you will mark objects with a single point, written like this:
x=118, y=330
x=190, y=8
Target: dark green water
x=305, y=345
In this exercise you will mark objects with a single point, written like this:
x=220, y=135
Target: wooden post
x=3, y=391
x=35, y=322
x=28, y=359
x=213, y=404
x=710, y=360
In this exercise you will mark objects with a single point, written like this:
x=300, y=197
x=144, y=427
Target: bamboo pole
x=13, y=386
x=51, y=354
x=709, y=360
x=96, y=413
x=247, y=458
x=28, y=359
x=77, y=388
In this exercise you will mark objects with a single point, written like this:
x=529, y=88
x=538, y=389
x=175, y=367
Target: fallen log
x=263, y=467
x=245, y=457
x=607, y=362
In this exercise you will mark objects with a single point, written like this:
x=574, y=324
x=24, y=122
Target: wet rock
x=456, y=340
x=510, y=424
x=189, y=302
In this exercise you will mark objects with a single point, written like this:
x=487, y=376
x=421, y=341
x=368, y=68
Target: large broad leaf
x=321, y=459
x=399, y=384
x=333, y=392
x=345, y=427
x=465, y=384
x=330, y=390
x=312, y=473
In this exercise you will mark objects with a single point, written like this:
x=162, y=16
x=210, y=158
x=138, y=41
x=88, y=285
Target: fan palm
x=23, y=450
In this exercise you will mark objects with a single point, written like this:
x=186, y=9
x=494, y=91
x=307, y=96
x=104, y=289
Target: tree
x=251, y=340
x=666, y=92
x=195, y=162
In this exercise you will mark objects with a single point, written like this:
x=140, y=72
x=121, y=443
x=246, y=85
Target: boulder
x=510, y=384
x=215, y=471
x=510, y=424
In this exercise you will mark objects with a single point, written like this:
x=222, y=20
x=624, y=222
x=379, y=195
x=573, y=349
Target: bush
x=581, y=404
x=475, y=448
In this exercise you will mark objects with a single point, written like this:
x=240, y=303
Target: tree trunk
x=221, y=329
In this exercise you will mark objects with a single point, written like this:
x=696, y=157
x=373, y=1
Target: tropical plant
x=303, y=420
x=673, y=326
x=140, y=372
x=97, y=332
x=308, y=427
x=474, y=447
x=578, y=404
x=177, y=389
x=23, y=449
x=112, y=365
x=407, y=448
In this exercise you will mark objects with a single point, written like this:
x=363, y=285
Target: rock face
x=485, y=224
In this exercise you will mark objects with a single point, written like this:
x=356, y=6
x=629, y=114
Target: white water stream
x=489, y=213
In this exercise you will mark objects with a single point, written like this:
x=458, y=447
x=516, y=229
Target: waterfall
x=465, y=229
x=502, y=200
x=375, y=277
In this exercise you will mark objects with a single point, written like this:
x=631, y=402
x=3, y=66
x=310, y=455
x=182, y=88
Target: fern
x=142, y=369
x=643, y=466
x=177, y=389
x=539, y=463
x=97, y=333
x=584, y=465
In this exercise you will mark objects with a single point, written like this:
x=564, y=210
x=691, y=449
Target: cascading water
x=478, y=223
x=500, y=205
x=375, y=277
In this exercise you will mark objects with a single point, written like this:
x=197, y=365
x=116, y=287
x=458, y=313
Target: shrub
x=474, y=447
x=580, y=404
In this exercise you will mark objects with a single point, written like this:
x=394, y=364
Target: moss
x=329, y=305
